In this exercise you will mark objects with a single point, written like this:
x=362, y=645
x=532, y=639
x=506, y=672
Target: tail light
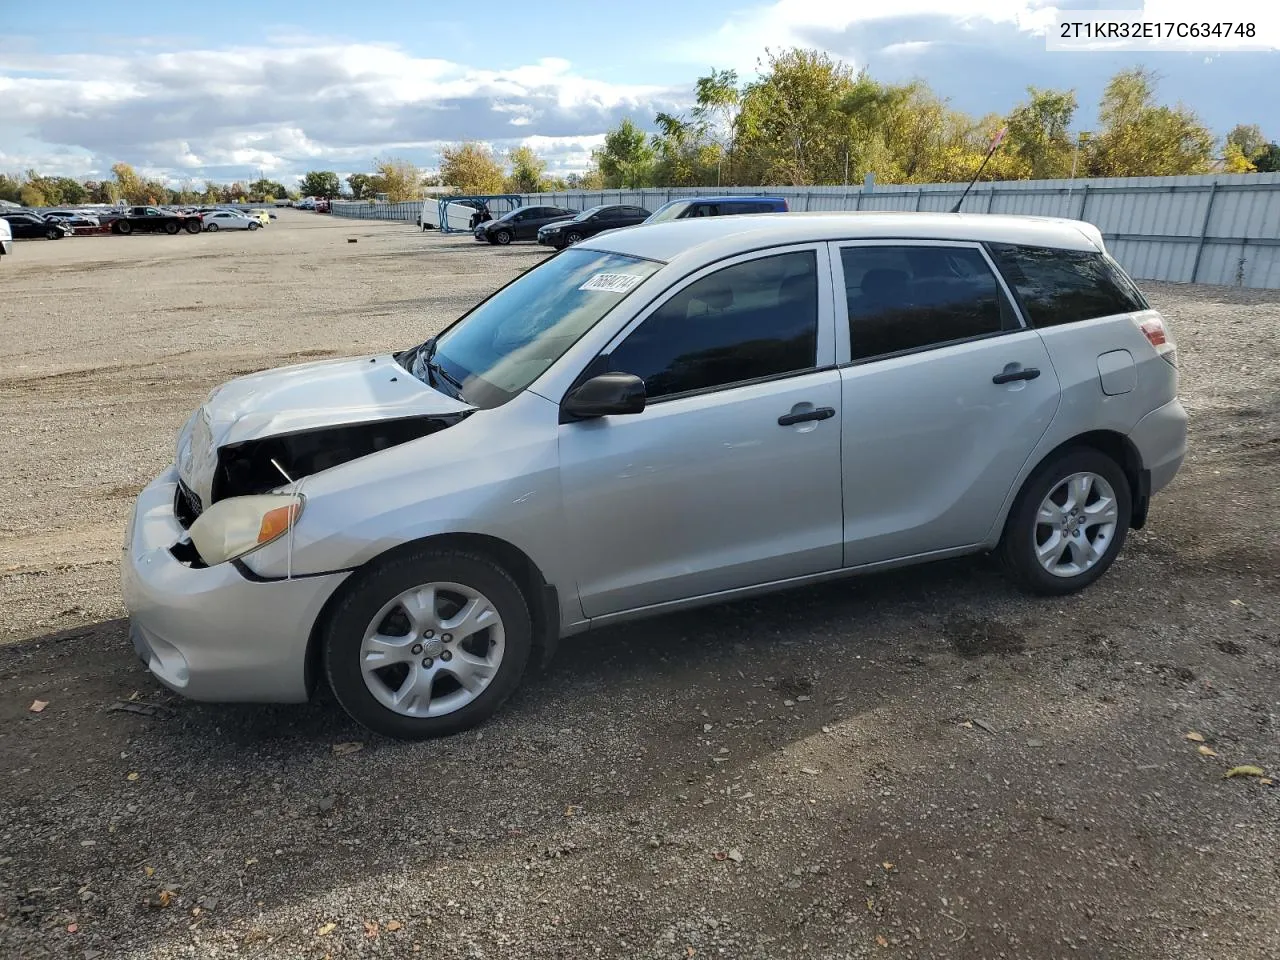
x=1158, y=335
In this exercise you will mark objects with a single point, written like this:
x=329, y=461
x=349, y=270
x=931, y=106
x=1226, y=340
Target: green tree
x=10, y=188
x=32, y=196
x=1140, y=138
x=359, y=186
x=1267, y=160
x=527, y=171
x=626, y=158
x=471, y=167
x=719, y=101
x=317, y=183
x=1038, y=133
x=267, y=188
x=106, y=191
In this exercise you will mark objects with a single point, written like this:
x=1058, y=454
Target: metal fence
x=1218, y=229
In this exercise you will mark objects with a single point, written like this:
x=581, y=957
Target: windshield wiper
x=425, y=365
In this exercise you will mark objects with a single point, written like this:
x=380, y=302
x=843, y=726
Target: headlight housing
x=236, y=526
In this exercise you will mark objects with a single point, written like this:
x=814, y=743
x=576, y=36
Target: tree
x=1267, y=159
x=1140, y=138
x=317, y=183
x=359, y=185
x=587, y=180
x=1235, y=161
x=10, y=188
x=1249, y=139
x=129, y=185
x=1038, y=133
x=626, y=159
x=107, y=191
x=471, y=168
x=719, y=102
x=398, y=179
x=265, y=188
x=212, y=192
x=527, y=169
x=31, y=196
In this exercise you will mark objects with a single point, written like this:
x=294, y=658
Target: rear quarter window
x=1066, y=286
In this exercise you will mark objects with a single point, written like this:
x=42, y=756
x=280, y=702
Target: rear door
x=944, y=395
x=731, y=475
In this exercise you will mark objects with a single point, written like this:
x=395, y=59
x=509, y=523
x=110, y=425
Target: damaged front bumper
x=208, y=632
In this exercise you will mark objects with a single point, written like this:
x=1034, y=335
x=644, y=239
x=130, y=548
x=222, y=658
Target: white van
x=461, y=214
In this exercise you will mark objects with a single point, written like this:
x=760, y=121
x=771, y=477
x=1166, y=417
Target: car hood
x=296, y=399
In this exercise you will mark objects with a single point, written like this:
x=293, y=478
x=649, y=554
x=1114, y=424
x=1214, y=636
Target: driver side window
x=745, y=322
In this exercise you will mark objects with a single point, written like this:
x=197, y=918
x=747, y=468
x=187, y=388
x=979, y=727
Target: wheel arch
x=1116, y=446
x=544, y=599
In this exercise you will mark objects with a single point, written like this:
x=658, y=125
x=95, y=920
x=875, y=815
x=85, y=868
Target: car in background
x=306, y=203
x=686, y=207
x=322, y=205
x=32, y=226
x=522, y=223
x=74, y=217
x=229, y=220
x=155, y=220
x=6, y=238
x=610, y=216
x=284, y=203
x=262, y=216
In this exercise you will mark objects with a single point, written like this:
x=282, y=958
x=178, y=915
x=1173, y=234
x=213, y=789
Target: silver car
x=665, y=416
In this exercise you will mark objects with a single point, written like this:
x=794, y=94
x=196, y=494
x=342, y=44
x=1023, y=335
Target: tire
x=254, y=226
x=571, y=238
x=172, y=228
x=193, y=226
x=123, y=227
x=502, y=237
x=52, y=234
x=212, y=228
x=370, y=602
x=1087, y=552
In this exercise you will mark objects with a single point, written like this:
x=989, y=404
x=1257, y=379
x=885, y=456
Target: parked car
x=656, y=418
x=307, y=203
x=284, y=203
x=226, y=220
x=565, y=233
x=262, y=216
x=322, y=205
x=716, y=207
x=32, y=226
x=74, y=218
x=155, y=220
x=521, y=223
x=6, y=238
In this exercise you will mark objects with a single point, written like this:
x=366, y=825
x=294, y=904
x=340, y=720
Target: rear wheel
x=53, y=233
x=212, y=228
x=1068, y=523
x=193, y=226
x=123, y=226
x=427, y=644
x=171, y=228
x=502, y=237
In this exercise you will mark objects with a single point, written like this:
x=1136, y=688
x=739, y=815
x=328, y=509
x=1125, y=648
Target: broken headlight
x=236, y=526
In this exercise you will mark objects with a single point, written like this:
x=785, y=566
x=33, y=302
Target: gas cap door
x=1117, y=372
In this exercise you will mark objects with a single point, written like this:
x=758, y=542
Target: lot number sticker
x=611, y=282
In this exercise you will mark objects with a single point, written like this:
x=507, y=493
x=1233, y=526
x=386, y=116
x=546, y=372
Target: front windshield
x=668, y=211
x=588, y=214
x=510, y=340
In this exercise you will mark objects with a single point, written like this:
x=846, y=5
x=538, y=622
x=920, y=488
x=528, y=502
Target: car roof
x=735, y=198
x=707, y=239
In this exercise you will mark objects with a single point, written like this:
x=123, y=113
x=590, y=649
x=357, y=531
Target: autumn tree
x=1140, y=138
x=129, y=185
x=1248, y=138
x=1039, y=133
x=398, y=179
x=527, y=171
x=471, y=167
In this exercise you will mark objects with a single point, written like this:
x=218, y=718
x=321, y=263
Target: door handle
x=1010, y=375
x=818, y=413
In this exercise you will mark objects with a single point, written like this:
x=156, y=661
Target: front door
x=945, y=396
x=731, y=475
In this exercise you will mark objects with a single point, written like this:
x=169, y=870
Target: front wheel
x=254, y=226
x=502, y=237
x=427, y=644
x=1068, y=523
x=212, y=228
x=572, y=237
x=53, y=234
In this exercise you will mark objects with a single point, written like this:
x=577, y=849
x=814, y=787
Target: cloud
x=196, y=113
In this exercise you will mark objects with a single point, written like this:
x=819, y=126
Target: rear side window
x=747, y=321
x=912, y=297
x=1066, y=286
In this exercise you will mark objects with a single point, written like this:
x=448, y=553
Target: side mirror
x=605, y=395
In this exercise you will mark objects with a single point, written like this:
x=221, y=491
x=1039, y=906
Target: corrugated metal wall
x=1219, y=229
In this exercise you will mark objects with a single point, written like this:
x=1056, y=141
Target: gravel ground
x=920, y=764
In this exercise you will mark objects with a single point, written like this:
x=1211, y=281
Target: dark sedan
x=32, y=226
x=588, y=223
x=522, y=223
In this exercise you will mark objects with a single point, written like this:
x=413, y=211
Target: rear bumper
x=1161, y=440
x=209, y=633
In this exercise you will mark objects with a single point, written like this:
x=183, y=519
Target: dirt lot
x=923, y=764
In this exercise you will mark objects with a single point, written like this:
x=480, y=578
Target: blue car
x=716, y=207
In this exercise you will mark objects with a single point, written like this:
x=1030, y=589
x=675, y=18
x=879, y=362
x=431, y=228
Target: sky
x=191, y=92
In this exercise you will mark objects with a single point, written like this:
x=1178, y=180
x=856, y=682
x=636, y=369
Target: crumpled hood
x=301, y=397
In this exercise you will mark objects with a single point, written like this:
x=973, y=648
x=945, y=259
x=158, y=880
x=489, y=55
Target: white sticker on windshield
x=612, y=282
